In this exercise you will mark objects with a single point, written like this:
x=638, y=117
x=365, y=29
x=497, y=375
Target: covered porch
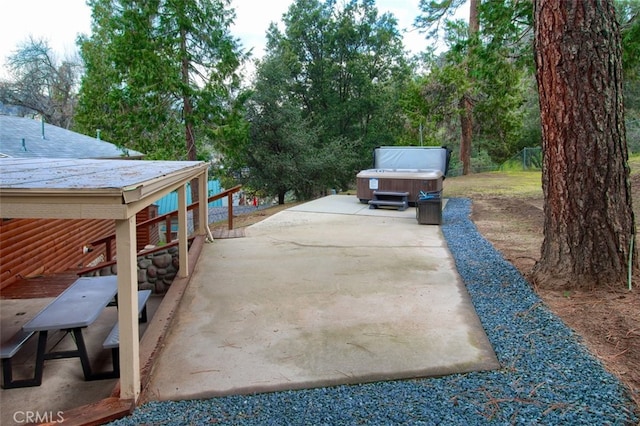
x=107, y=189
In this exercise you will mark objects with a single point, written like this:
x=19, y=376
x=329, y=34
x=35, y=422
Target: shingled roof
x=27, y=138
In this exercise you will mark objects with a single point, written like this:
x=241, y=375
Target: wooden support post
x=128, y=308
x=203, y=205
x=109, y=253
x=167, y=229
x=183, y=249
x=230, y=210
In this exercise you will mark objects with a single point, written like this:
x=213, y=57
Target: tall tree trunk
x=589, y=221
x=188, y=119
x=466, y=106
x=466, y=133
x=186, y=98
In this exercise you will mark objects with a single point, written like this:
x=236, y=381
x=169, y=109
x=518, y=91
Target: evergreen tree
x=349, y=65
x=487, y=69
x=157, y=69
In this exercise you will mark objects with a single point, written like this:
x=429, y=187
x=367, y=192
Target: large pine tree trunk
x=589, y=221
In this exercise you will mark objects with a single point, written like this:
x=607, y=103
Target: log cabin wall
x=146, y=235
x=33, y=247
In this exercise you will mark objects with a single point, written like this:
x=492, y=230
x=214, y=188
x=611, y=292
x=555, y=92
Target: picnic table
x=77, y=307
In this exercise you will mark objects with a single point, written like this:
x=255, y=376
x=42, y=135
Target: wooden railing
x=168, y=217
x=105, y=264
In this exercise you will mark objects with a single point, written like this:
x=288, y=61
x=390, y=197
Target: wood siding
x=147, y=235
x=34, y=247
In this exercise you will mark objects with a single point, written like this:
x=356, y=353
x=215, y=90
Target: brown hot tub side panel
x=412, y=186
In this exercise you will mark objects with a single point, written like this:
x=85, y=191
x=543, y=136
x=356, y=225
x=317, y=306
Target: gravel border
x=219, y=214
x=547, y=375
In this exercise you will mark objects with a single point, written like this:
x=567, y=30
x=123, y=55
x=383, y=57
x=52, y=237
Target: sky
x=61, y=21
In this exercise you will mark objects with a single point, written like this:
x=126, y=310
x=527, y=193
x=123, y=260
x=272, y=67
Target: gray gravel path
x=217, y=214
x=547, y=375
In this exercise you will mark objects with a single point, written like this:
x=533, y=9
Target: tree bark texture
x=589, y=222
x=466, y=106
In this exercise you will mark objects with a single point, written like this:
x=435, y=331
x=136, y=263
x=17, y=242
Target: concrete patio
x=327, y=292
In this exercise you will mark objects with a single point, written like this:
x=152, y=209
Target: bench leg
x=7, y=373
x=9, y=383
x=82, y=353
x=84, y=359
x=7, y=368
x=115, y=358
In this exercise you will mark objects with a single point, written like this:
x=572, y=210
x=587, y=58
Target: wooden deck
x=223, y=233
x=42, y=286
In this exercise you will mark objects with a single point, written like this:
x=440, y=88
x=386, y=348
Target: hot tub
x=398, y=180
x=404, y=169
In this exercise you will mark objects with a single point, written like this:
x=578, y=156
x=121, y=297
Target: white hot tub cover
x=412, y=158
x=424, y=174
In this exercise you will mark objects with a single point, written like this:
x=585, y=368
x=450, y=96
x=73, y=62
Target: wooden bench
x=113, y=339
x=390, y=199
x=7, y=351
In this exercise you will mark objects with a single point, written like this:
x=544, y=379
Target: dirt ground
x=608, y=321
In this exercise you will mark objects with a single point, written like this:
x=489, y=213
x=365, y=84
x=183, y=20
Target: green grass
x=503, y=183
x=634, y=163
x=514, y=183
